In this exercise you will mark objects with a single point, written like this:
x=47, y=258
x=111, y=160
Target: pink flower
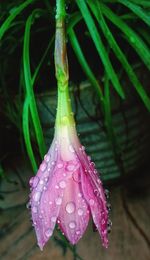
x=67, y=190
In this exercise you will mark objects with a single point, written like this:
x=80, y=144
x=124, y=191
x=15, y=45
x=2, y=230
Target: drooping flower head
x=67, y=189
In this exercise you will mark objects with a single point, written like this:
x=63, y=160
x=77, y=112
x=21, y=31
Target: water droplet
x=47, y=157
x=64, y=119
x=103, y=221
x=80, y=212
x=59, y=165
x=91, y=202
x=34, y=209
x=78, y=232
x=53, y=219
x=79, y=195
x=72, y=224
x=70, y=207
x=36, y=196
x=31, y=181
x=71, y=148
x=132, y=39
x=56, y=187
x=48, y=232
x=70, y=167
x=43, y=166
x=92, y=164
x=62, y=184
x=50, y=203
x=28, y=205
x=109, y=206
x=41, y=182
x=35, y=181
x=89, y=158
x=52, y=163
x=76, y=176
x=58, y=201
x=96, y=192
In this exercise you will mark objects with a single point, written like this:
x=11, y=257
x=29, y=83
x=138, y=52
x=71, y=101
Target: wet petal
x=94, y=195
x=46, y=200
x=74, y=212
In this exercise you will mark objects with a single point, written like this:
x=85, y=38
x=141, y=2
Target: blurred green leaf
x=119, y=54
x=29, y=85
x=137, y=10
x=7, y=23
x=132, y=37
x=84, y=64
x=99, y=46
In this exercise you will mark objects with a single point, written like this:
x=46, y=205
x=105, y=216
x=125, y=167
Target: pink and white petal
x=74, y=212
x=46, y=202
x=94, y=194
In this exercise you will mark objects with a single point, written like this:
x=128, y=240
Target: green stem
x=64, y=111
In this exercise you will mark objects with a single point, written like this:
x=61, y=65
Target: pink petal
x=46, y=199
x=74, y=212
x=94, y=195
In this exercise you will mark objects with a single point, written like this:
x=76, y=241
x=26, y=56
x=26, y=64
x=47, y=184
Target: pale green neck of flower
x=64, y=111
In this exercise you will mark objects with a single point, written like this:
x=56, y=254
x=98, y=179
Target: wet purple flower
x=67, y=190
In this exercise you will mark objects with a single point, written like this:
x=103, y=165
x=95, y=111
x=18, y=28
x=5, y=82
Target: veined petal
x=95, y=197
x=46, y=197
x=74, y=212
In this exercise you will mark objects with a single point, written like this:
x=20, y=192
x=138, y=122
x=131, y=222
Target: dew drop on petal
x=47, y=157
x=70, y=207
x=28, y=205
x=76, y=176
x=78, y=232
x=62, y=184
x=59, y=165
x=58, y=201
x=79, y=195
x=91, y=202
x=43, y=166
x=72, y=224
x=34, y=209
x=70, y=167
x=31, y=181
x=35, y=181
x=80, y=212
x=53, y=219
x=36, y=196
x=41, y=182
x=48, y=232
x=71, y=149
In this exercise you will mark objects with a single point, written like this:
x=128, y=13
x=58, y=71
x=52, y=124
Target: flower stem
x=64, y=110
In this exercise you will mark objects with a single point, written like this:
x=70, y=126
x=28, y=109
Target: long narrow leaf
x=119, y=54
x=6, y=24
x=29, y=86
x=84, y=64
x=26, y=132
x=99, y=46
x=137, y=10
x=132, y=37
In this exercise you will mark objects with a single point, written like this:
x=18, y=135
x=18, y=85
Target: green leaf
x=26, y=133
x=7, y=23
x=99, y=46
x=132, y=37
x=29, y=85
x=119, y=54
x=84, y=64
x=137, y=10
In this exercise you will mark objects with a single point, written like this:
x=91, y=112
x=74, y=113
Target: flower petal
x=74, y=212
x=46, y=198
x=95, y=197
